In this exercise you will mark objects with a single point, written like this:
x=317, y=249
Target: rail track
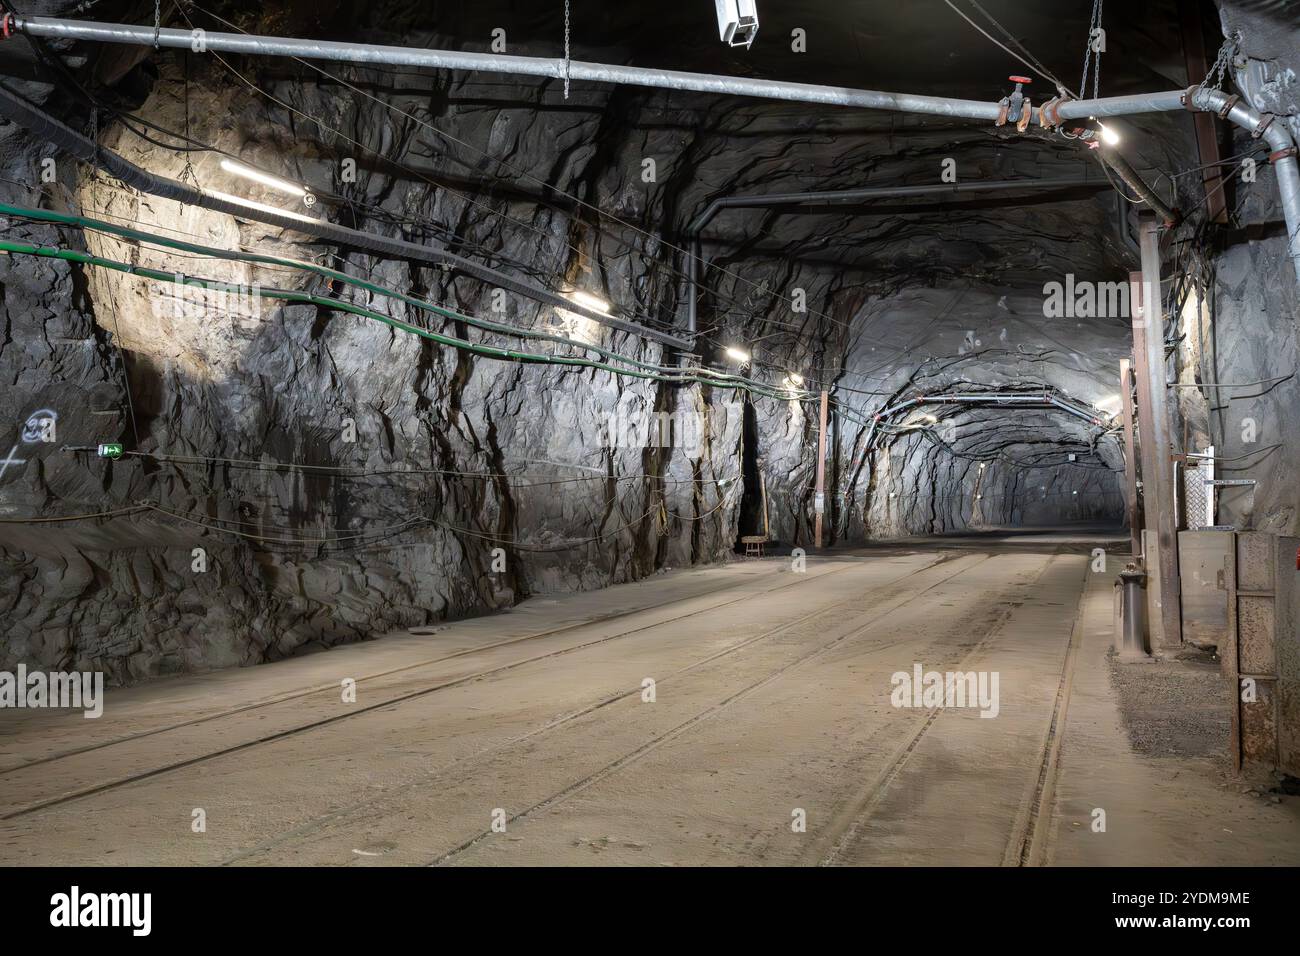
x=394, y=700
x=630, y=757
x=590, y=708
x=1025, y=846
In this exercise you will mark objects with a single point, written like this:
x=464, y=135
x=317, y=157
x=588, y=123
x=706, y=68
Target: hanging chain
x=188, y=172
x=566, y=49
x=1091, y=57
x=1227, y=52
x=1096, y=64
x=157, y=21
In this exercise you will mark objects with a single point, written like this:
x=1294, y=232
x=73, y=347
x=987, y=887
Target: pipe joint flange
x=1265, y=121
x=1004, y=109
x=1189, y=98
x=1026, y=113
x=1288, y=153
x=7, y=26
x=1049, y=114
x=1227, y=106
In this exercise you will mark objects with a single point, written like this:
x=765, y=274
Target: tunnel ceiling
x=723, y=146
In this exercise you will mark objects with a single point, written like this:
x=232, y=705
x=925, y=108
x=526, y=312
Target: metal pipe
x=1197, y=98
x=1111, y=157
x=253, y=45
x=1166, y=102
x=41, y=124
x=1283, y=157
x=1132, y=580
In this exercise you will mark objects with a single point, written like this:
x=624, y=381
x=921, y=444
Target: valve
x=1016, y=106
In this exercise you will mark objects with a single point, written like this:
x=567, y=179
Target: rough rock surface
x=902, y=298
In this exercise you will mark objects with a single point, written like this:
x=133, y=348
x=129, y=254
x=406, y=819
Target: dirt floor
x=744, y=714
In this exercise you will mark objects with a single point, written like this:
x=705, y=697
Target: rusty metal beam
x=1130, y=454
x=1158, y=483
x=1207, y=127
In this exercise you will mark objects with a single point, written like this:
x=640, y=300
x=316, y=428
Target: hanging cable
x=689, y=376
x=523, y=174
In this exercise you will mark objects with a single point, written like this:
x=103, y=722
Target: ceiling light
x=739, y=356
x=795, y=379
x=588, y=301
x=1108, y=135
x=274, y=182
x=737, y=22
x=1110, y=405
x=261, y=207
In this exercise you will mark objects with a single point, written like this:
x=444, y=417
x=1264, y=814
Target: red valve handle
x=1020, y=79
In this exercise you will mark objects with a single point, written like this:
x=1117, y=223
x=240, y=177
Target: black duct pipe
x=1169, y=216
x=37, y=122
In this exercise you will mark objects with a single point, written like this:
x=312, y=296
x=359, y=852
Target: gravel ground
x=1173, y=708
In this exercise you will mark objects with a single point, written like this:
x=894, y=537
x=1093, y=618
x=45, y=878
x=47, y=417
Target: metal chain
x=1214, y=79
x=188, y=172
x=1088, y=54
x=1096, y=63
x=566, y=49
x=157, y=21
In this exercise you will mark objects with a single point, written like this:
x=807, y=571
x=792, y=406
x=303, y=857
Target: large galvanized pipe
x=556, y=69
x=1283, y=160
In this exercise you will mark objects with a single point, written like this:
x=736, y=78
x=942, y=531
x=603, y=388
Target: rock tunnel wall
x=419, y=461
x=414, y=463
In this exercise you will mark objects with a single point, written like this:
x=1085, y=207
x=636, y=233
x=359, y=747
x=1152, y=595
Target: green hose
x=287, y=295
x=96, y=225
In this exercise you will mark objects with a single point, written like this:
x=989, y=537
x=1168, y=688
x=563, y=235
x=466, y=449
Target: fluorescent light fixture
x=931, y=419
x=261, y=207
x=795, y=379
x=588, y=301
x=274, y=182
x=1108, y=135
x=739, y=356
x=1110, y=405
